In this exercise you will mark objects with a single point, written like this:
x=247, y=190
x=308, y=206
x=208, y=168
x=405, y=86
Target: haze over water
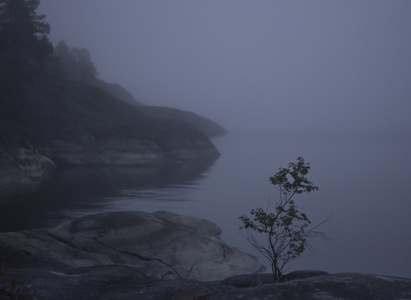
x=327, y=80
x=278, y=65
x=365, y=191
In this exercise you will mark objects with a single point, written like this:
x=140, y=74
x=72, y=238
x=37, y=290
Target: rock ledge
x=137, y=255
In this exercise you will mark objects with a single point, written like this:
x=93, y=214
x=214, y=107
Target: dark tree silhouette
x=287, y=230
x=23, y=37
x=86, y=71
x=66, y=62
x=76, y=63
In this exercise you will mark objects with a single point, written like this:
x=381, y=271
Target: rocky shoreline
x=61, y=123
x=160, y=255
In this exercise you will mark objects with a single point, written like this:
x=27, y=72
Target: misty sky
x=304, y=65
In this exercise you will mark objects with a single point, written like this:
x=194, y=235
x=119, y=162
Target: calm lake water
x=364, y=180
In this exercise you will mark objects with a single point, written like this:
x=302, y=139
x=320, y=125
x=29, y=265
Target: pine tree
x=23, y=37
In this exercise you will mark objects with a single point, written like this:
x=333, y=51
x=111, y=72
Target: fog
x=284, y=65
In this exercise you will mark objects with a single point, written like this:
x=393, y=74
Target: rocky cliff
x=117, y=91
x=75, y=64
x=205, y=125
x=57, y=122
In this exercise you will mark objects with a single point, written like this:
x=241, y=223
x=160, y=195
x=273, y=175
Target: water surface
x=363, y=178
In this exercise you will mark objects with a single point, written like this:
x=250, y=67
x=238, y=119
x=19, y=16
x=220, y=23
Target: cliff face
x=68, y=123
x=117, y=91
x=205, y=125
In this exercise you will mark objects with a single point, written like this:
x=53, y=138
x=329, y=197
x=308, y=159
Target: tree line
x=74, y=64
x=24, y=43
x=25, y=48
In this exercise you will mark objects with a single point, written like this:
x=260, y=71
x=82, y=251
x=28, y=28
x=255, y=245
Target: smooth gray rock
x=202, y=225
x=163, y=239
x=162, y=247
x=135, y=255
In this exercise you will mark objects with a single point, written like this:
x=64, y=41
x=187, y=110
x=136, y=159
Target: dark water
x=364, y=182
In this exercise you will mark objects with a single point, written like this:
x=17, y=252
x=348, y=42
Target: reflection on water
x=73, y=192
x=364, y=182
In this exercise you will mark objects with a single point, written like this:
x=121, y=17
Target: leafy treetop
x=286, y=229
